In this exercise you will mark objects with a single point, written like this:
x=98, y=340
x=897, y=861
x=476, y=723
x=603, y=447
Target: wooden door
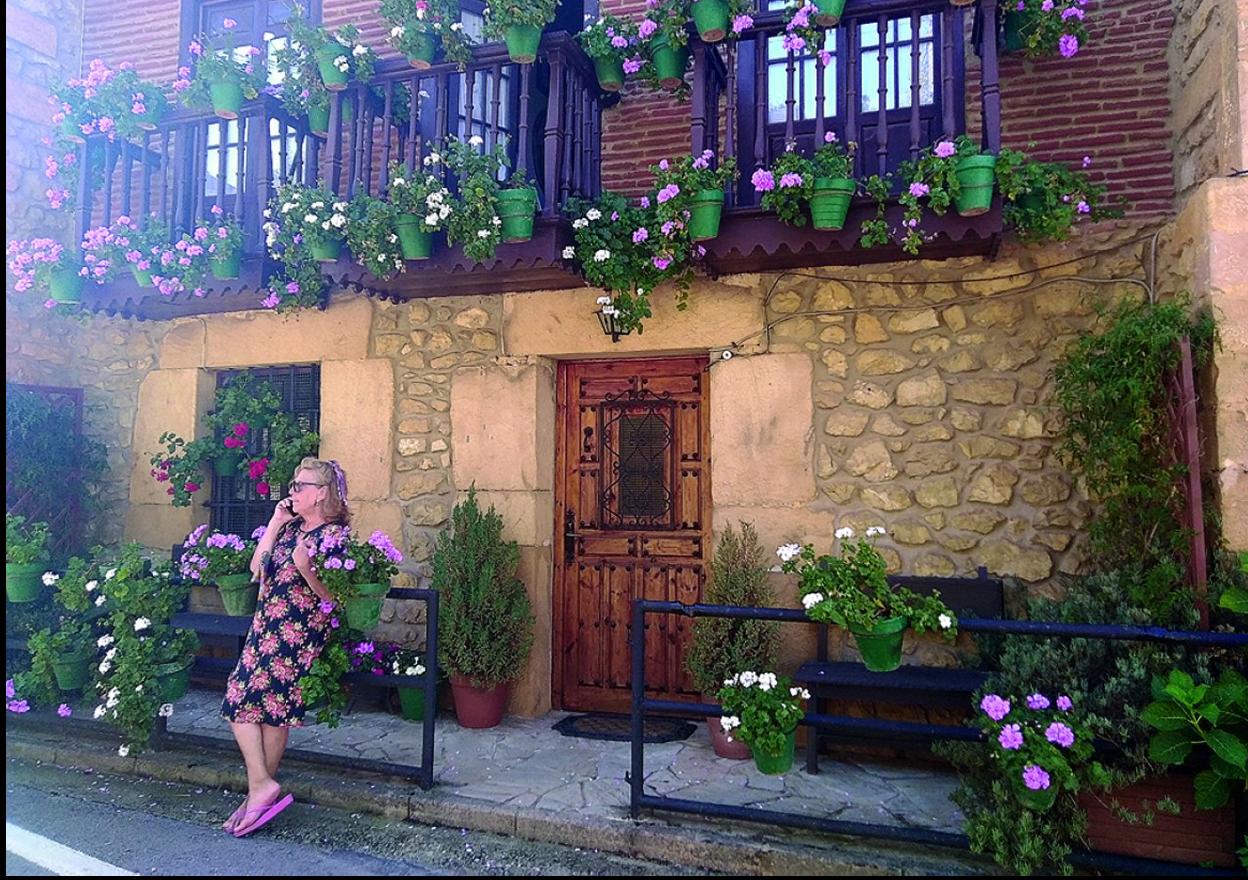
x=632, y=520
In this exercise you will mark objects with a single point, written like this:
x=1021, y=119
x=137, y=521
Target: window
x=235, y=506
x=897, y=50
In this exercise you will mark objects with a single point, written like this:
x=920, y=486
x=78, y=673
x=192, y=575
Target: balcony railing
x=895, y=85
x=548, y=114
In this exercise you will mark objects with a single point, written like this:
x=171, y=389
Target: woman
x=262, y=698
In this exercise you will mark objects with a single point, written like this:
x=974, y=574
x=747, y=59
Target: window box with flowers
x=520, y=24
x=423, y=205
x=852, y=591
x=417, y=29
x=314, y=217
x=610, y=42
x=223, y=560
x=225, y=74
x=691, y=192
x=763, y=711
x=357, y=574
x=25, y=557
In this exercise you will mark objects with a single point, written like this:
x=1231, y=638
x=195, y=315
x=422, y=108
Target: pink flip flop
x=270, y=811
x=232, y=822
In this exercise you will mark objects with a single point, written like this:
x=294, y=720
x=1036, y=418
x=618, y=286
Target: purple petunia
x=995, y=707
x=1035, y=777
x=1011, y=737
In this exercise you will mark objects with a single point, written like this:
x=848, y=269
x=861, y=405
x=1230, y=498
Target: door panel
x=633, y=519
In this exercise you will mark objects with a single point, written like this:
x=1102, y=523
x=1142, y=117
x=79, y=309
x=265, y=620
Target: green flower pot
x=522, y=42
x=318, y=120
x=1013, y=26
x=142, y=277
x=412, y=703
x=610, y=74
x=976, y=177
x=829, y=203
x=881, y=645
x=364, y=611
x=70, y=130
x=516, y=208
x=704, y=217
x=227, y=98
x=335, y=80
x=226, y=268
x=150, y=120
x=669, y=63
x=173, y=680
x=415, y=244
x=421, y=57
x=238, y=594
x=711, y=19
x=22, y=581
x=774, y=765
x=1039, y=799
x=73, y=669
x=828, y=12
x=65, y=286
x=226, y=463
x=327, y=251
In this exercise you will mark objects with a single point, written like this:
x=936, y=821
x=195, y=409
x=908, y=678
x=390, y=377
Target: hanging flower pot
x=976, y=176
x=1037, y=799
x=1012, y=24
x=415, y=243
x=708, y=208
x=516, y=208
x=226, y=463
x=423, y=49
x=828, y=12
x=711, y=19
x=962, y=3
x=881, y=645
x=22, y=581
x=364, y=610
x=238, y=594
x=669, y=63
x=72, y=669
x=228, y=267
x=522, y=42
x=335, y=79
x=774, y=765
x=478, y=708
x=65, y=286
x=830, y=201
x=173, y=679
x=142, y=277
x=610, y=73
x=227, y=98
x=318, y=120
x=71, y=131
x=327, y=251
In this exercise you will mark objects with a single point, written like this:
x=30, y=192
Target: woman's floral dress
x=287, y=633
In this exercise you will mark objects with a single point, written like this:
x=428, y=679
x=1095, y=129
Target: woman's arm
x=282, y=514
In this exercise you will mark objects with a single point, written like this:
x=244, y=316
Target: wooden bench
x=930, y=687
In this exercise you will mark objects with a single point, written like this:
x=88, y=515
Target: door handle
x=569, y=536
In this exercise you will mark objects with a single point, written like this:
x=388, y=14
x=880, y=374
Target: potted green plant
x=340, y=56
x=47, y=266
x=609, y=41
x=225, y=73
x=520, y=24
x=111, y=101
x=517, y=203
x=222, y=238
x=221, y=559
x=852, y=591
x=322, y=688
x=404, y=661
x=666, y=40
x=1042, y=28
x=716, y=19
x=66, y=650
x=417, y=29
x=358, y=574
x=824, y=185
x=423, y=205
x=486, y=623
x=140, y=246
x=318, y=216
x=721, y=646
x=26, y=556
x=372, y=235
x=695, y=184
x=474, y=222
x=1044, y=200
x=763, y=711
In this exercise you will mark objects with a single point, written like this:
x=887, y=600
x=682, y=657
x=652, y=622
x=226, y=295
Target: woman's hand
x=282, y=513
x=303, y=557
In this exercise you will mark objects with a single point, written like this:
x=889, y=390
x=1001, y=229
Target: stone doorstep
x=743, y=849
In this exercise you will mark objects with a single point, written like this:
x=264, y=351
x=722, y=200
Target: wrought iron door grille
x=637, y=442
x=235, y=505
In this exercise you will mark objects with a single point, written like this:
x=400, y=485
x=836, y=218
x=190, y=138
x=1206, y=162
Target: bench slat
x=915, y=678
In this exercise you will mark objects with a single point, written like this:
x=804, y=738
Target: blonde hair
x=335, y=481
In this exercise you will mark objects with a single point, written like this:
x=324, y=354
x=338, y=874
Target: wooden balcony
x=548, y=114
x=751, y=99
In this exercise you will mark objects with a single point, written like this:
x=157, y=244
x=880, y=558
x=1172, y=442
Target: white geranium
x=318, y=204
x=749, y=679
x=311, y=218
x=876, y=530
x=787, y=552
x=602, y=255
x=123, y=750
x=569, y=253
x=397, y=31
x=844, y=532
x=580, y=223
x=593, y=214
x=810, y=600
x=342, y=64
x=398, y=181
x=166, y=710
x=728, y=722
x=100, y=600
x=945, y=621
x=604, y=300
x=483, y=233
x=50, y=578
x=340, y=206
x=431, y=219
x=767, y=681
x=141, y=624
x=359, y=50
x=338, y=220
x=91, y=585
x=476, y=140
x=104, y=641
x=105, y=666
x=799, y=692
x=99, y=712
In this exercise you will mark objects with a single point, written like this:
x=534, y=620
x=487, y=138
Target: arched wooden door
x=632, y=517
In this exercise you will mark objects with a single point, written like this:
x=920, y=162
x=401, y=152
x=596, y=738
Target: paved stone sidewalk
x=523, y=763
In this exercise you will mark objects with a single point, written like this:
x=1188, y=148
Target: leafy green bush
x=25, y=544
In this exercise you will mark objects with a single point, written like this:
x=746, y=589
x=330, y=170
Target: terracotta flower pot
x=479, y=708
x=733, y=749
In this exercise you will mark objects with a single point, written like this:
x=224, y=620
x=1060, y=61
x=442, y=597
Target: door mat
x=618, y=728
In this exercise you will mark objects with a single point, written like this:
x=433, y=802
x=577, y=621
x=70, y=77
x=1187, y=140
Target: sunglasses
x=297, y=485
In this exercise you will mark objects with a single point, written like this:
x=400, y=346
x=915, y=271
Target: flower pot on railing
x=610, y=74
x=1037, y=799
x=522, y=42
x=22, y=581
x=478, y=708
x=227, y=97
x=828, y=12
x=829, y=203
x=364, y=610
x=238, y=594
x=142, y=277
x=71, y=131
x=711, y=19
x=65, y=286
x=976, y=177
x=516, y=208
x=669, y=63
x=226, y=268
x=880, y=646
x=173, y=679
x=72, y=669
x=962, y=2
x=334, y=79
x=226, y=463
x=150, y=120
x=318, y=120
x=424, y=48
x=327, y=251
x=774, y=765
x=1012, y=26
x=704, y=217
x=415, y=243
